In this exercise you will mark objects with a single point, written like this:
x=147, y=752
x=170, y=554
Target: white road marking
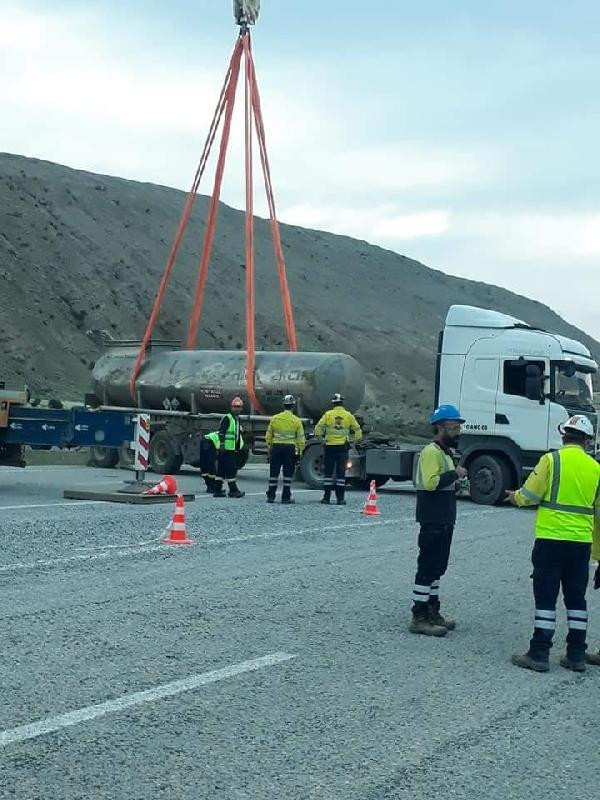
x=143, y=547
x=73, y=503
x=51, y=724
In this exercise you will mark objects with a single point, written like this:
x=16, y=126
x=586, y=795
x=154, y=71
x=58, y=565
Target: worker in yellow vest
x=285, y=440
x=338, y=428
x=231, y=442
x=565, y=486
x=435, y=480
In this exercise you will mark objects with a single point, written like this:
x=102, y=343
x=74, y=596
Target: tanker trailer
x=186, y=392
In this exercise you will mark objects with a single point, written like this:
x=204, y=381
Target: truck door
x=520, y=417
x=479, y=390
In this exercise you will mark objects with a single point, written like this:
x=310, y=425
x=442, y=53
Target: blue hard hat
x=446, y=413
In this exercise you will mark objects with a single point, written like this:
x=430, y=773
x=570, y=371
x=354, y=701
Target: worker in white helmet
x=338, y=428
x=565, y=485
x=285, y=440
x=231, y=443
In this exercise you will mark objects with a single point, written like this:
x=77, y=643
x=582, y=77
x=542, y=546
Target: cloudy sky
x=463, y=134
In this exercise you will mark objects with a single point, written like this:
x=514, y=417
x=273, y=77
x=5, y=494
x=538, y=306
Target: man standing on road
x=338, y=427
x=285, y=440
x=231, y=442
x=565, y=487
x=436, y=478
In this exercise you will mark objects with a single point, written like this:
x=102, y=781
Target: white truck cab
x=514, y=385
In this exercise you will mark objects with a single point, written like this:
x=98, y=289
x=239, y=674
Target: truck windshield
x=573, y=388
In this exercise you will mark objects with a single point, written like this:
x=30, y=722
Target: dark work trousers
x=559, y=564
x=227, y=470
x=283, y=456
x=435, y=541
x=335, y=460
x=208, y=463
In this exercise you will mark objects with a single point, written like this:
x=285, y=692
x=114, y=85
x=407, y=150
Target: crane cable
x=253, y=118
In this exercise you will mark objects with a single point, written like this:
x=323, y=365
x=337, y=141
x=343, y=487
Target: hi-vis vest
x=433, y=463
x=436, y=496
x=231, y=431
x=566, y=511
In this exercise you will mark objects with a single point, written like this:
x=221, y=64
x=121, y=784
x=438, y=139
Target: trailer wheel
x=164, y=458
x=103, y=457
x=489, y=478
x=126, y=456
x=311, y=466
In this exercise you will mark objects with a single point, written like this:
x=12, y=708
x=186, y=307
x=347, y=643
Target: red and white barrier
x=141, y=445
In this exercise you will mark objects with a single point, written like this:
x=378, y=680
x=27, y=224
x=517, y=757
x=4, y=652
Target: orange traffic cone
x=168, y=485
x=177, y=531
x=370, y=507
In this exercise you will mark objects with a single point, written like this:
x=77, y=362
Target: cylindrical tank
x=206, y=381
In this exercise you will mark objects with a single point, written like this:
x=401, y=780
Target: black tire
x=126, y=457
x=489, y=478
x=103, y=457
x=164, y=458
x=311, y=466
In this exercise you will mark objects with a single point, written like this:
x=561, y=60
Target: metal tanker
x=205, y=381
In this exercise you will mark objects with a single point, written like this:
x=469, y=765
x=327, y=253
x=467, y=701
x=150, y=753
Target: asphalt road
x=272, y=659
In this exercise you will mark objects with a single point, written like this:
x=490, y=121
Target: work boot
x=326, y=499
x=593, y=658
x=339, y=495
x=422, y=624
x=527, y=662
x=270, y=498
x=218, y=490
x=575, y=663
x=236, y=493
x=437, y=619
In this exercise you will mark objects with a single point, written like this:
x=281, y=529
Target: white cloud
x=374, y=224
x=535, y=235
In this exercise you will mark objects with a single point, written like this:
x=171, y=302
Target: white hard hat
x=579, y=423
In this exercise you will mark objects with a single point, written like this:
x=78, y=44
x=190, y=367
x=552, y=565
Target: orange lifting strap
x=253, y=119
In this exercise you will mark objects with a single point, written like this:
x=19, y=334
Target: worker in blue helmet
x=435, y=480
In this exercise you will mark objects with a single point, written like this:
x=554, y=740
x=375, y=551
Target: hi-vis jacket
x=230, y=433
x=286, y=428
x=338, y=426
x=565, y=484
x=435, y=484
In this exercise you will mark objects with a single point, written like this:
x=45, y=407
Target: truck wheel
x=311, y=466
x=103, y=457
x=489, y=478
x=164, y=458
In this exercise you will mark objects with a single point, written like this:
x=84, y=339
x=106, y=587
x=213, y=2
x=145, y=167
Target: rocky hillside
x=81, y=251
